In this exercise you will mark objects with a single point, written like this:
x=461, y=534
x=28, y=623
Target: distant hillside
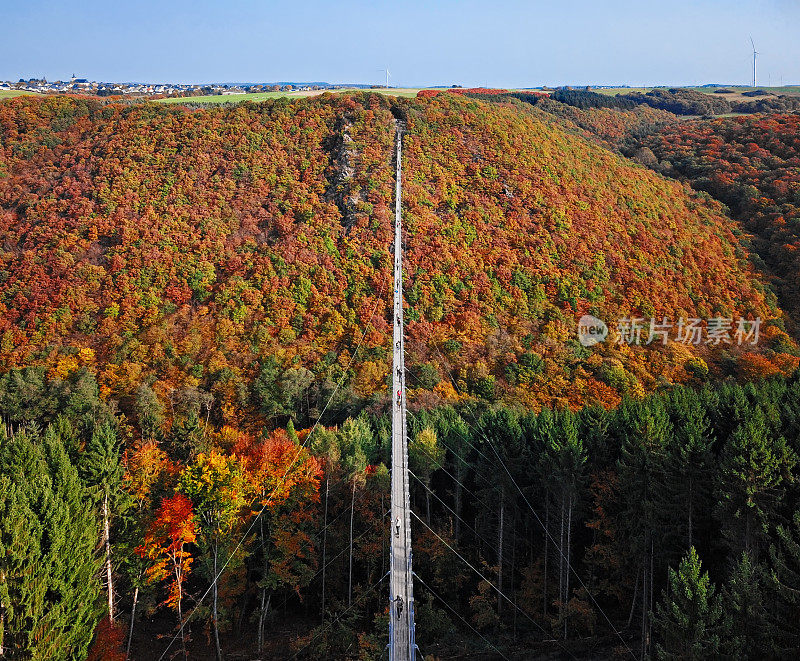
x=243, y=252
x=752, y=164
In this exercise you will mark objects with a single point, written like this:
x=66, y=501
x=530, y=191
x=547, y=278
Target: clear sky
x=423, y=42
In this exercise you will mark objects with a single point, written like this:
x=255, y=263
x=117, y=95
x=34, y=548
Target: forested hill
x=752, y=164
x=240, y=253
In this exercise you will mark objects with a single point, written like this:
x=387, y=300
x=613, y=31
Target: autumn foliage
x=166, y=545
x=241, y=252
x=752, y=164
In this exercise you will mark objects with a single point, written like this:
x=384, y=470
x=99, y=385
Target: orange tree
x=284, y=478
x=165, y=545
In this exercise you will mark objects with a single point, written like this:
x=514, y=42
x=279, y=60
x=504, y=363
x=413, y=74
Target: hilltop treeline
x=692, y=102
x=528, y=527
x=678, y=101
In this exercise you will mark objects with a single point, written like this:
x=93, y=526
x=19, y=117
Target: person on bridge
x=397, y=527
x=399, y=374
x=398, y=396
x=398, y=606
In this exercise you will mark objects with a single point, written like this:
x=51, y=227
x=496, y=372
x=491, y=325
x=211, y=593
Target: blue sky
x=497, y=44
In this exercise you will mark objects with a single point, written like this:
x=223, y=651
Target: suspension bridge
x=402, y=645
x=401, y=593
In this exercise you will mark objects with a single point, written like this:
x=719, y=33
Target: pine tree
x=426, y=454
x=453, y=432
x=748, y=630
x=644, y=429
x=688, y=617
x=502, y=447
x=48, y=563
x=325, y=446
x=784, y=555
x=687, y=479
x=358, y=445
x=101, y=469
x=754, y=468
x=215, y=485
x=563, y=462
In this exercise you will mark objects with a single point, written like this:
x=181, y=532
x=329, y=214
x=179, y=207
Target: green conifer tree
x=49, y=566
x=754, y=467
x=644, y=429
x=688, y=618
x=784, y=555
x=102, y=470
x=748, y=630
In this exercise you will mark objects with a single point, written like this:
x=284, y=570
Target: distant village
x=84, y=86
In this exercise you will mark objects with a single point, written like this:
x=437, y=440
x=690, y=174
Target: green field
x=8, y=94
x=262, y=96
x=613, y=91
x=229, y=98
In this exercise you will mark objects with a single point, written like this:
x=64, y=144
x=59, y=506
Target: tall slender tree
x=102, y=470
x=644, y=429
x=426, y=455
x=215, y=485
x=686, y=484
x=784, y=553
x=748, y=631
x=754, y=469
x=563, y=462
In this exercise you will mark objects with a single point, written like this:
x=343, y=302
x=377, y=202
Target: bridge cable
x=492, y=585
x=535, y=514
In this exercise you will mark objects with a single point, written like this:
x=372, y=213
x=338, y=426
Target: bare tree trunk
x=350, y=576
x=513, y=569
x=566, y=574
x=457, y=499
x=546, y=548
x=650, y=594
x=133, y=620
x=633, y=602
x=180, y=617
x=500, y=554
x=645, y=601
x=561, y=562
x=324, y=545
x=107, y=542
x=262, y=616
x=215, y=613
x=428, y=502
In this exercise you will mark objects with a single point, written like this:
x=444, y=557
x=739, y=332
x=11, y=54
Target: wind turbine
x=755, y=53
x=387, y=76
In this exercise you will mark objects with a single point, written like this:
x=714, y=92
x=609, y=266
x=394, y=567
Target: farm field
x=9, y=94
x=262, y=96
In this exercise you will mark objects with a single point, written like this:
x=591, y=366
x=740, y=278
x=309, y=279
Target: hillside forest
x=194, y=358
